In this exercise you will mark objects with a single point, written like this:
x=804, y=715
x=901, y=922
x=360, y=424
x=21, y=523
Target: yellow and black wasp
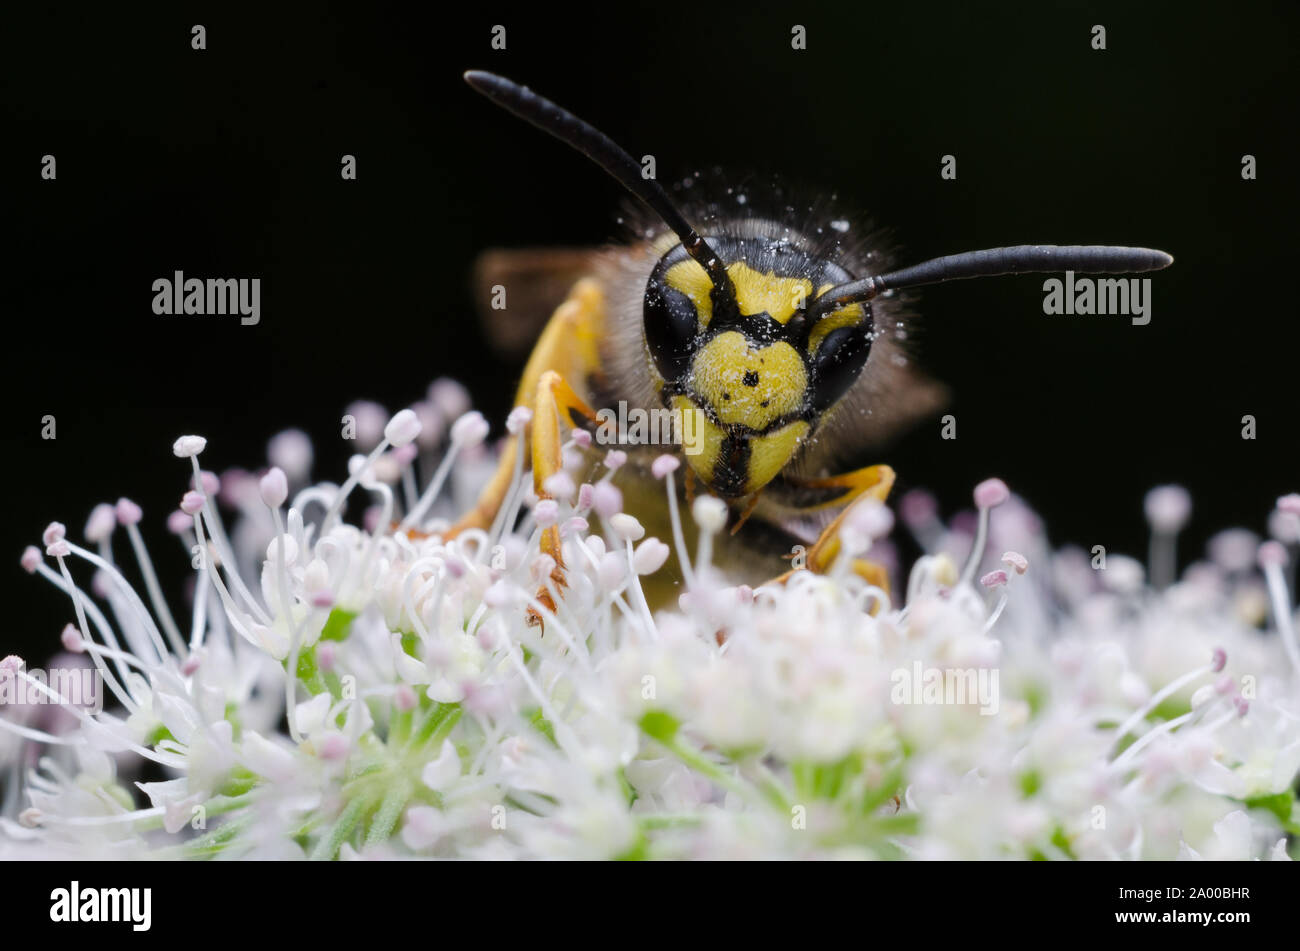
x=784, y=341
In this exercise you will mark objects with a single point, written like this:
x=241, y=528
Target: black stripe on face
x=759, y=329
x=731, y=471
x=785, y=257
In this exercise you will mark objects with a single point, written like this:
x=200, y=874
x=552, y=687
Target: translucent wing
x=516, y=291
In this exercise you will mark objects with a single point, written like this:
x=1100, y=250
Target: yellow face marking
x=844, y=317
x=768, y=454
x=752, y=386
x=708, y=440
x=759, y=293
x=755, y=293
x=691, y=279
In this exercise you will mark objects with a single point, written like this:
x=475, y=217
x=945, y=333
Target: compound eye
x=839, y=360
x=671, y=324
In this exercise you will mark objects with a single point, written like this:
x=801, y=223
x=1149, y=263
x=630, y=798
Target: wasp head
x=749, y=361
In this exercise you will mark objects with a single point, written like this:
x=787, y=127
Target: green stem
x=328, y=847
x=771, y=788
x=440, y=722
x=399, y=726
x=390, y=810
x=217, y=839
x=214, y=807
x=668, y=821
x=698, y=762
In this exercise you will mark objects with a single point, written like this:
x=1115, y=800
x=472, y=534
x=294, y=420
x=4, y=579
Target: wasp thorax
x=748, y=358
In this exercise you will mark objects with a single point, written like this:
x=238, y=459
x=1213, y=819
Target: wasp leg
x=492, y=497
x=873, y=482
x=746, y=512
x=554, y=398
x=567, y=350
x=568, y=346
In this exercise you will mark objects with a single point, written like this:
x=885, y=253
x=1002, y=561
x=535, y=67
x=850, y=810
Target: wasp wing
x=516, y=291
x=898, y=395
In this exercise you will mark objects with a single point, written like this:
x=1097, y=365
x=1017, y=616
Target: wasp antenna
x=1020, y=259
x=606, y=153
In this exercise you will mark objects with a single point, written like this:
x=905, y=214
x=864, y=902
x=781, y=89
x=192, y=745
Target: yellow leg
x=566, y=353
x=554, y=397
x=873, y=482
x=568, y=346
x=493, y=495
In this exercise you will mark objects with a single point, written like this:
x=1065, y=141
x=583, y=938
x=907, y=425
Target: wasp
x=784, y=340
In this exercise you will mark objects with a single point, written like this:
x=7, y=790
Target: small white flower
x=440, y=773
x=341, y=672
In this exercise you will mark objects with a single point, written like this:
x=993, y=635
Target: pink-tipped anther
x=991, y=493
x=994, y=579
x=71, y=640
x=918, y=508
x=518, y=419
x=1271, y=553
x=546, y=513
x=209, y=483
x=470, y=430
x=1168, y=507
x=663, y=465
x=1016, y=562
x=606, y=499
x=559, y=485
x=101, y=523
x=128, y=513
x=274, y=487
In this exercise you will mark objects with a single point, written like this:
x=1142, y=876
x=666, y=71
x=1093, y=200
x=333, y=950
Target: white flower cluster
x=373, y=692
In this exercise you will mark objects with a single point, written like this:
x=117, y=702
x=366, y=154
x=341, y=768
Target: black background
x=225, y=162
x=1019, y=893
